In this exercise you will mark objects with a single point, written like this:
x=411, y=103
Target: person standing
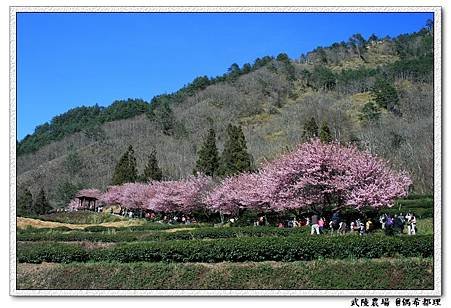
x=352, y=228
x=321, y=225
x=413, y=225
x=369, y=225
x=315, y=226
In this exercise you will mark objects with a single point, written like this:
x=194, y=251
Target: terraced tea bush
x=411, y=273
x=98, y=233
x=291, y=248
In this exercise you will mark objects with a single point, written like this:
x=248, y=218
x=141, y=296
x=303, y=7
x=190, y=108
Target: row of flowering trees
x=312, y=176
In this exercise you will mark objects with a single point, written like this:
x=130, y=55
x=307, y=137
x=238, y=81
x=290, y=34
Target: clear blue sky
x=68, y=60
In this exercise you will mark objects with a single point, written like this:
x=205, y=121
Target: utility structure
x=88, y=198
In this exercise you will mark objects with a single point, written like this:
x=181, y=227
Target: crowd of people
x=398, y=222
x=319, y=224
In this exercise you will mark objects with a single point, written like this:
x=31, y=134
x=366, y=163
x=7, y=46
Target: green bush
x=76, y=235
x=411, y=273
x=103, y=234
x=155, y=226
x=98, y=229
x=236, y=250
x=415, y=203
x=51, y=252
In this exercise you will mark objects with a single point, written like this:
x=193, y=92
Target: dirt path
x=23, y=223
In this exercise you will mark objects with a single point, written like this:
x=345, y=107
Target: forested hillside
x=376, y=93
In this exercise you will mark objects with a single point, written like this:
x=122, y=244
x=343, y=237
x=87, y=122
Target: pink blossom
x=313, y=175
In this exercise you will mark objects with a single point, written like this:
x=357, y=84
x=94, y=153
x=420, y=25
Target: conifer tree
x=208, y=157
x=24, y=202
x=125, y=171
x=152, y=171
x=385, y=95
x=41, y=205
x=310, y=129
x=235, y=158
x=325, y=135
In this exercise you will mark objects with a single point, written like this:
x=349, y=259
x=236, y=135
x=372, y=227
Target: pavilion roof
x=88, y=193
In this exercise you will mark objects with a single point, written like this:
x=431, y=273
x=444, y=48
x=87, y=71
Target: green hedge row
x=234, y=250
x=130, y=236
x=406, y=273
x=419, y=212
x=415, y=203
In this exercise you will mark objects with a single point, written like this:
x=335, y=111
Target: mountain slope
x=272, y=102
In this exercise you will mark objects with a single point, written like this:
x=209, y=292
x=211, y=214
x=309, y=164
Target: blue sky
x=68, y=60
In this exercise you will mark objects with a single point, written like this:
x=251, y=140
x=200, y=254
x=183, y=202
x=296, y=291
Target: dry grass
x=178, y=229
x=23, y=223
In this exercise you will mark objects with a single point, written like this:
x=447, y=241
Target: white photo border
x=436, y=10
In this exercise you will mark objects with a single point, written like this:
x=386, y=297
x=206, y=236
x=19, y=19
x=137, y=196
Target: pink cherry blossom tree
x=128, y=195
x=167, y=196
x=313, y=176
x=183, y=196
x=243, y=191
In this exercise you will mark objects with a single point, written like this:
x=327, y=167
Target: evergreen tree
x=162, y=114
x=322, y=78
x=125, y=171
x=325, y=135
x=385, y=95
x=283, y=57
x=357, y=43
x=73, y=162
x=247, y=68
x=235, y=158
x=310, y=129
x=41, y=205
x=152, y=171
x=65, y=191
x=370, y=112
x=233, y=72
x=24, y=202
x=208, y=157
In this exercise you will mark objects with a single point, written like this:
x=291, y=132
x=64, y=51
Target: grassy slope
x=412, y=273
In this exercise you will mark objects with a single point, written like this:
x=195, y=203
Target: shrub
x=322, y=274
x=292, y=248
x=98, y=229
x=50, y=252
x=113, y=235
x=77, y=236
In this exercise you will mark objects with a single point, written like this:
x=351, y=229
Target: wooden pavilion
x=88, y=198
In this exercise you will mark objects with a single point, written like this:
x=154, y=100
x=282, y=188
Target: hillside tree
x=73, y=163
x=235, y=158
x=152, y=171
x=385, y=95
x=324, y=134
x=65, y=191
x=310, y=129
x=125, y=170
x=24, y=202
x=41, y=205
x=358, y=44
x=208, y=157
